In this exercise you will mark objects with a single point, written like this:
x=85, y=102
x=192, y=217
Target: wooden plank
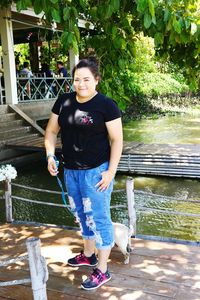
x=27, y=140
x=28, y=120
x=170, y=149
x=16, y=140
x=157, y=270
x=19, y=292
x=185, y=293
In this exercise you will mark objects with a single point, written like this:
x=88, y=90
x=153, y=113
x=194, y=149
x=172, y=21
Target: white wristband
x=50, y=155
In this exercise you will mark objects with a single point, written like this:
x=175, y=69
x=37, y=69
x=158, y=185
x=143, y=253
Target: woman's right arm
x=50, y=142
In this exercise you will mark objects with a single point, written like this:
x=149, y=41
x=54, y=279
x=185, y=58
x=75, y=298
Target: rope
x=136, y=192
x=15, y=282
x=35, y=189
x=13, y=260
x=139, y=208
x=168, y=198
x=118, y=206
x=59, y=205
x=38, y=202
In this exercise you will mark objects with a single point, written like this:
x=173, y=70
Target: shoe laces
x=80, y=256
x=96, y=274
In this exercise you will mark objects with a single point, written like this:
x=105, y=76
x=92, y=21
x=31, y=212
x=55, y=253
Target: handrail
x=134, y=207
x=42, y=88
x=36, y=88
x=35, y=189
x=38, y=202
x=166, y=198
x=38, y=269
x=9, y=197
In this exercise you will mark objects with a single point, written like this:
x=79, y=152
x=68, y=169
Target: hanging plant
x=7, y=172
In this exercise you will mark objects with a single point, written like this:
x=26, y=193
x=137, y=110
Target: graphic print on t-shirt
x=83, y=118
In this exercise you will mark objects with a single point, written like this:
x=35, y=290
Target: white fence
x=41, y=88
x=38, y=88
x=38, y=269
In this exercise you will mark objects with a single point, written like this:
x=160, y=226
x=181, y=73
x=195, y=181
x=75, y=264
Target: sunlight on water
x=155, y=206
x=180, y=129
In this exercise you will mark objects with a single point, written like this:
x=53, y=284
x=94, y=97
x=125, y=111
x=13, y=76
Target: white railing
x=41, y=88
x=38, y=269
x=135, y=208
x=38, y=88
x=130, y=230
x=8, y=197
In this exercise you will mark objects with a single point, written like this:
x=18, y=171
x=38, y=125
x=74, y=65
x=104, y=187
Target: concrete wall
x=38, y=110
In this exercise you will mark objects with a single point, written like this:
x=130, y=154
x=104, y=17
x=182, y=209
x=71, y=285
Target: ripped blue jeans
x=91, y=207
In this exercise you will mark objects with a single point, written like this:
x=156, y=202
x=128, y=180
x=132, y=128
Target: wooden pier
x=157, y=270
x=178, y=160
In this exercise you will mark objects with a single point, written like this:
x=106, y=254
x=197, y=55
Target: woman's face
x=84, y=83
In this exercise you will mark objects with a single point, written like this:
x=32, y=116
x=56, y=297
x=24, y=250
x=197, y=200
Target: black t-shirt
x=84, y=136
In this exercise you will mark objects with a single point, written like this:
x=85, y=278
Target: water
x=179, y=129
x=154, y=213
x=149, y=220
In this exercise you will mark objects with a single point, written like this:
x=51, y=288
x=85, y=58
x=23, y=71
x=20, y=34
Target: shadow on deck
x=157, y=270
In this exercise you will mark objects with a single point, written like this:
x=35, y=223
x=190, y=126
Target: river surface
x=179, y=129
x=166, y=207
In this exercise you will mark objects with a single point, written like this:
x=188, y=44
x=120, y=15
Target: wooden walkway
x=36, y=143
x=179, y=160
x=157, y=270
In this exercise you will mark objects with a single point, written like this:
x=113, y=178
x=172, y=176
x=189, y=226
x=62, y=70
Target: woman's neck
x=81, y=99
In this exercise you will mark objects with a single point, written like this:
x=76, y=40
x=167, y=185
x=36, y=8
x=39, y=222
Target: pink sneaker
x=82, y=260
x=95, y=280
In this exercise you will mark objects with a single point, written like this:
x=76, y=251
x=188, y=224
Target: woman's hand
x=52, y=168
x=104, y=183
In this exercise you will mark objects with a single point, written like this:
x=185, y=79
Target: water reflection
x=179, y=129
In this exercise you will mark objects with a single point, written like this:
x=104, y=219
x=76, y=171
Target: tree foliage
x=174, y=25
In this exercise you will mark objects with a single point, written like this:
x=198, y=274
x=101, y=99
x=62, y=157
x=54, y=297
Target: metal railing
x=42, y=88
x=38, y=88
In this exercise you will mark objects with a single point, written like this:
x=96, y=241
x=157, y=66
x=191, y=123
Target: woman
x=91, y=134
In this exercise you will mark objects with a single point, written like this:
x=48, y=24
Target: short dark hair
x=91, y=63
x=26, y=64
x=59, y=63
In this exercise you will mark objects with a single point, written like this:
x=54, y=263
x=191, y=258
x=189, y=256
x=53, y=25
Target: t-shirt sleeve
x=112, y=110
x=57, y=106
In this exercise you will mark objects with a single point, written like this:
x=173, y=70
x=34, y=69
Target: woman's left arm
x=116, y=141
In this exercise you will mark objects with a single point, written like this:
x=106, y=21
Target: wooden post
x=38, y=269
x=131, y=202
x=8, y=201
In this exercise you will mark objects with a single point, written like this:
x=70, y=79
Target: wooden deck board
x=162, y=149
x=157, y=270
x=134, y=148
